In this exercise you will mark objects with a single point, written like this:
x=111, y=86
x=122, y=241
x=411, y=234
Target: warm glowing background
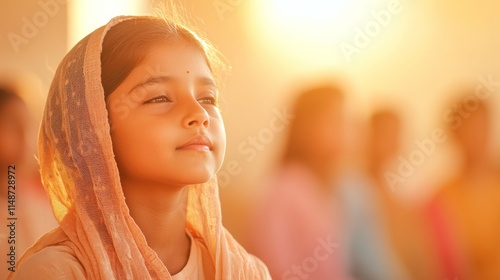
x=412, y=61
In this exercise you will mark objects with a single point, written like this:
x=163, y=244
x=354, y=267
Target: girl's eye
x=158, y=99
x=208, y=100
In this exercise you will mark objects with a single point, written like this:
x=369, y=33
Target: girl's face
x=166, y=127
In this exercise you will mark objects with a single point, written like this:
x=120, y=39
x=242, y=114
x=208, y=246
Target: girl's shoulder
x=52, y=262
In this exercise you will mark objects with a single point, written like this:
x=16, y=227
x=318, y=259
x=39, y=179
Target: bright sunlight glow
x=85, y=16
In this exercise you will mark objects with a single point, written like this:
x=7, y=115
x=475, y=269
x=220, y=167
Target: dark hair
x=384, y=114
x=462, y=102
x=126, y=45
x=309, y=104
x=7, y=95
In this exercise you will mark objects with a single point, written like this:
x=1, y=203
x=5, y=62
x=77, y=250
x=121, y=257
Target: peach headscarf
x=81, y=178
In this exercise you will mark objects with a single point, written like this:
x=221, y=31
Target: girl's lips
x=195, y=147
x=197, y=143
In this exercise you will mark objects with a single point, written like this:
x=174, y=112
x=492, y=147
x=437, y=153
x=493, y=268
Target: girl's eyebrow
x=205, y=81
x=152, y=80
x=164, y=79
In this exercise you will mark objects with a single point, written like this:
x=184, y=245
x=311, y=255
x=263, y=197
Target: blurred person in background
x=391, y=231
x=370, y=252
x=32, y=209
x=297, y=221
x=464, y=215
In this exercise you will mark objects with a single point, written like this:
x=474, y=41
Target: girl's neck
x=160, y=213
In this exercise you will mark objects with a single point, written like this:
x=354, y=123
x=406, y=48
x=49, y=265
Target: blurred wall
x=425, y=50
x=418, y=53
x=33, y=41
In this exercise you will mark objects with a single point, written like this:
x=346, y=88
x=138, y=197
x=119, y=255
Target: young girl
x=129, y=145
